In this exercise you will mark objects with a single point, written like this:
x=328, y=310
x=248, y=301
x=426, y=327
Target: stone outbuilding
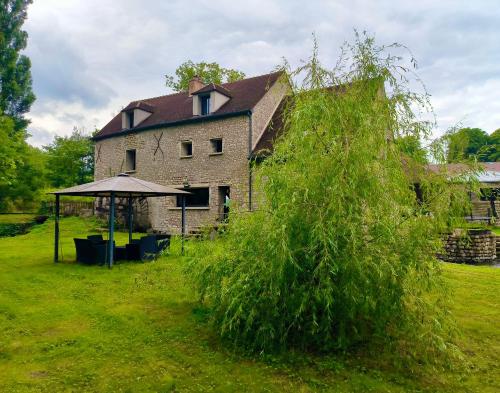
x=485, y=205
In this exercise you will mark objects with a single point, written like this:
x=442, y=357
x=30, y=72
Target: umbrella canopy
x=122, y=185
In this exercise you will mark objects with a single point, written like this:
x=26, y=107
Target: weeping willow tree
x=340, y=252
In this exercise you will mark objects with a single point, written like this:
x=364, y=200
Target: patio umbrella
x=121, y=186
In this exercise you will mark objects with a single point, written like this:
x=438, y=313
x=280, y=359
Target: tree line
x=473, y=143
x=26, y=171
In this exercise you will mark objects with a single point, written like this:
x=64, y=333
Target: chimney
x=195, y=84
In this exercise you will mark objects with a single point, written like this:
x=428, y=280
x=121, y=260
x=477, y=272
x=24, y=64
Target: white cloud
x=90, y=58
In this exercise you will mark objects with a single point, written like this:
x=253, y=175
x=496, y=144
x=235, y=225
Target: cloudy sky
x=91, y=57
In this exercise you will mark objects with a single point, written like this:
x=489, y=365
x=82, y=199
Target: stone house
x=201, y=140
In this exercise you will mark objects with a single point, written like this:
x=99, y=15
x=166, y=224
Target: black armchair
x=95, y=238
x=163, y=242
x=90, y=253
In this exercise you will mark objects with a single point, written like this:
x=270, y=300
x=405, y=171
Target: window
x=130, y=117
x=199, y=197
x=216, y=145
x=186, y=148
x=205, y=105
x=130, y=160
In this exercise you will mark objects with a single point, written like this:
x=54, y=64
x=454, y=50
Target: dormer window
x=130, y=119
x=209, y=99
x=135, y=113
x=205, y=105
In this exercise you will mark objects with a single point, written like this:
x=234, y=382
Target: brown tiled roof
x=139, y=105
x=213, y=87
x=175, y=108
x=455, y=169
x=274, y=130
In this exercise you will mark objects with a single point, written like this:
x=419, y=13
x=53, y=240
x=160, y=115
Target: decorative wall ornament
x=98, y=154
x=158, y=147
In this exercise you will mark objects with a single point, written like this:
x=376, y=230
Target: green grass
x=475, y=225
x=16, y=218
x=139, y=328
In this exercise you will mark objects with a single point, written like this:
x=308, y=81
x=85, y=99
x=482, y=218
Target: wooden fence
x=70, y=208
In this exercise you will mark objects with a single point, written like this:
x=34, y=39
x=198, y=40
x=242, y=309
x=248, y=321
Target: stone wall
x=161, y=162
x=474, y=247
x=265, y=108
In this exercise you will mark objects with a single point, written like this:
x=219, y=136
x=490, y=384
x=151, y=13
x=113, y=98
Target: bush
x=340, y=252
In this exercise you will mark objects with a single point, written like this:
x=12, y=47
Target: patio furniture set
x=94, y=249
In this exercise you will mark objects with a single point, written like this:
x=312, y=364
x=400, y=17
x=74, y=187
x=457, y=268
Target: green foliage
x=7, y=230
x=472, y=143
x=70, y=160
x=9, y=147
x=340, y=252
x=411, y=146
x=208, y=72
x=16, y=95
x=30, y=179
x=491, y=152
x=21, y=168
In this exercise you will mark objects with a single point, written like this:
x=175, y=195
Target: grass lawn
x=138, y=328
x=16, y=218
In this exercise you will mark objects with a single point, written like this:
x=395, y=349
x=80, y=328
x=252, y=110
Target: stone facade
x=159, y=159
x=478, y=247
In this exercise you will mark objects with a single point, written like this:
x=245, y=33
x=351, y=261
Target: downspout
x=250, y=142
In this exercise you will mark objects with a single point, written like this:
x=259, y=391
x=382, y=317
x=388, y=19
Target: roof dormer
x=209, y=99
x=135, y=113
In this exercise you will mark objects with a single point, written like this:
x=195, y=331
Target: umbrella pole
x=183, y=222
x=130, y=220
x=111, y=229
x=56, y=231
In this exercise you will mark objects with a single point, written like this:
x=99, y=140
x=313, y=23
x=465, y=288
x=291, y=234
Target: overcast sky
x=90, y=58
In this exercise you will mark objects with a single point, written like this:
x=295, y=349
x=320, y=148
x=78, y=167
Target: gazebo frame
x=121, y=186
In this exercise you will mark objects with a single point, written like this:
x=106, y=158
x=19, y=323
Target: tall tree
x=208, y=72
x=339, y=252
x=491, y=152
x=467, y=143
x=16, y=95
x=411, y=146
x=70, y=160
x=21, y=168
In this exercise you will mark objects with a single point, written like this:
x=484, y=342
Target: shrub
x=339, y=252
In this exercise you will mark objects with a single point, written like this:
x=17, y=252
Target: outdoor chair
x=95, y=238
x=163, y=241
x=147, y=247
x=90, y=253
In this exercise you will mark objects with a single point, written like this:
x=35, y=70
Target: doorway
x=224, y=202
